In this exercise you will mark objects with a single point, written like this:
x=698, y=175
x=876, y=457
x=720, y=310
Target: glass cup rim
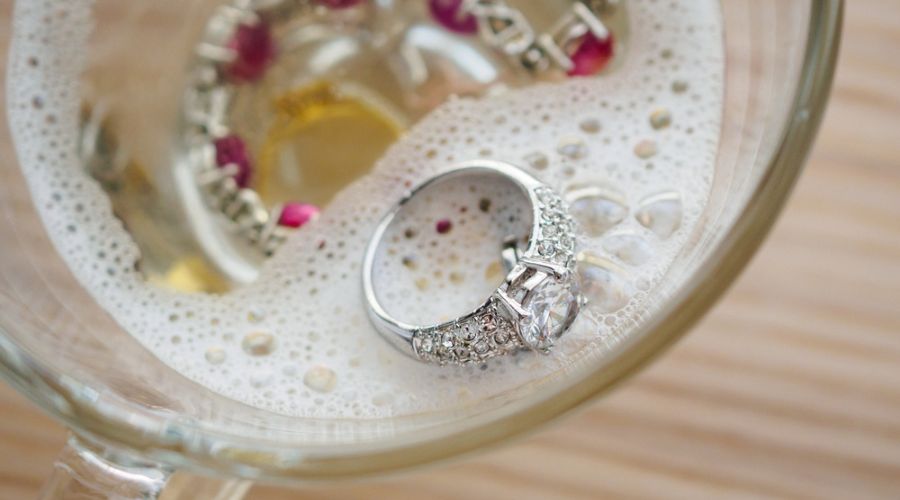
x=242, y=456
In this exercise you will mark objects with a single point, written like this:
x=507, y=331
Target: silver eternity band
x=239, y=45
x=535, y=304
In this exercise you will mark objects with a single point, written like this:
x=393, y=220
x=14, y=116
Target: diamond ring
x=536, y=303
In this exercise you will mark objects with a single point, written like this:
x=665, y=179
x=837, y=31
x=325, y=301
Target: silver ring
x=536, y=303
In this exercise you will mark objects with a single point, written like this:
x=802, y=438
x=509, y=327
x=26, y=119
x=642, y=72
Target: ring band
x=537, y=302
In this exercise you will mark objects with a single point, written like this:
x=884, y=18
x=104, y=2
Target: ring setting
x=536, y=304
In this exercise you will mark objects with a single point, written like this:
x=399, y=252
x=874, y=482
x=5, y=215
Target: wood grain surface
x=789, y=388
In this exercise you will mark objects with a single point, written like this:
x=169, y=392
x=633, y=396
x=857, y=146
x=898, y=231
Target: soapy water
x=633, y=150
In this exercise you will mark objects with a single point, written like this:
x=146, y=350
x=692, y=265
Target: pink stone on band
x=254, y=50
x=231, y=150
x=294, y=214
x=592, y=55
x=450, y=14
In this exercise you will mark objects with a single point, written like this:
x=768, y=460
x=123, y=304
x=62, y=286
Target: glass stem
x=84, y=471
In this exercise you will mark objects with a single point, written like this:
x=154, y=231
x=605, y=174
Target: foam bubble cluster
x=634, y=150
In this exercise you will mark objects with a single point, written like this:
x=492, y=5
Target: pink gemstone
x=339, y=4
x=451, y=16
x=254, y=50
x=592, y=55
x=231, y=150
x=296, y=214
x=443, y=226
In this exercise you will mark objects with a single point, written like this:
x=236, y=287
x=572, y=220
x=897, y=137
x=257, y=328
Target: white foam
x=323, y=358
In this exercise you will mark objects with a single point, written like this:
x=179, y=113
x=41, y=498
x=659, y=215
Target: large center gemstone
x=552, y=305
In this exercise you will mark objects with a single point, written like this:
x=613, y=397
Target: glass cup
x=135, y=421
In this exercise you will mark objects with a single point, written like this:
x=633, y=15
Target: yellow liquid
x=190, y=274
x=320, y=141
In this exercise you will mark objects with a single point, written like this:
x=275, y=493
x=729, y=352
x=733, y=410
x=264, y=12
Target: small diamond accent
x=551, y=217
x=565, y=242
x=467, y=332
x=546, y=248
x=488, y=323
x=550, y=230
x=547, y=196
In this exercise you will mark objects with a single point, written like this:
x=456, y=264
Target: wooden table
x=789, y=388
